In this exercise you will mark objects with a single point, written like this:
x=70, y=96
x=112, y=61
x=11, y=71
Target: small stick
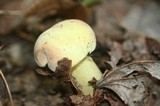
x=7, y=87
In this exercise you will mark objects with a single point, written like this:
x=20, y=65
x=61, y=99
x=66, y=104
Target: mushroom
x=72, y=39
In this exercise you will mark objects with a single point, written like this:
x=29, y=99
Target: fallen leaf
x=107, y=97
x=116, y=54
x=133, y=83
x=153, y=47
x=63, y=69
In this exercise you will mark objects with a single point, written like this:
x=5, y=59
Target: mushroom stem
x=84, y=72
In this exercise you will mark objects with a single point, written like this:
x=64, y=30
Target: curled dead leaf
x=63, y=70
x=134, y=83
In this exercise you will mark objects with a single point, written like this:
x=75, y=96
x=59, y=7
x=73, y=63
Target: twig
x=7, y=87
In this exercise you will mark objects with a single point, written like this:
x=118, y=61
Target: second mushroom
x=72, y=39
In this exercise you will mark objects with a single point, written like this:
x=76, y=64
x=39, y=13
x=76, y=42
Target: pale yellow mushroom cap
x=72, y=39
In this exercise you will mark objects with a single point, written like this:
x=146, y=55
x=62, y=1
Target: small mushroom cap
x=72, y=39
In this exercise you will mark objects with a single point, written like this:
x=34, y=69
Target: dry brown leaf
x=63, y=69
x=116, y=54
x=153, y=47
x=133, y=83
x=136, y=48
x=107, y=97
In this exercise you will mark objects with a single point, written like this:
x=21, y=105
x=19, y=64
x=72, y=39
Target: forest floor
x=127, y=52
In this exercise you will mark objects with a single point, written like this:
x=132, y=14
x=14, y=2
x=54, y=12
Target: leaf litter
x=134, y=83
x=128, y=59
